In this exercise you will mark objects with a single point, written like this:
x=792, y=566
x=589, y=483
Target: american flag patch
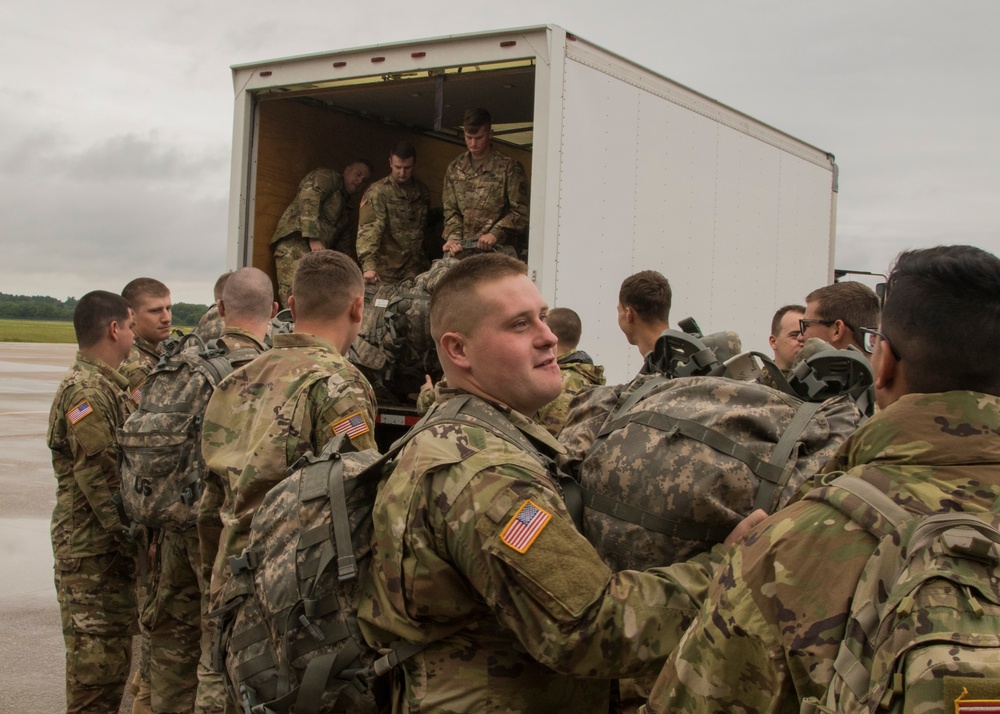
x=136, y=395
x=79, y=412
x=353, y=425
x=524, y=527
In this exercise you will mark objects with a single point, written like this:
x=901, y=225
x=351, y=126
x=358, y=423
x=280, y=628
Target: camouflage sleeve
x=371, y=226
x=311, y=198
x=346, y=405
x=452, y=212
x=94, y=447
x=553, y=591
x=515, y=221
x=767, y=620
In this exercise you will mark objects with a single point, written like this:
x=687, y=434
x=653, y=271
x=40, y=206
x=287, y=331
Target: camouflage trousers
x=174, y=621
x=97, y=606
x=287, y=252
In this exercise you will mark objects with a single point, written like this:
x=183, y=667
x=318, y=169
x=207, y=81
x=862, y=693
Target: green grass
x=36, y=331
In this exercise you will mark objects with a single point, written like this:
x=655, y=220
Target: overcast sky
x=116, y=118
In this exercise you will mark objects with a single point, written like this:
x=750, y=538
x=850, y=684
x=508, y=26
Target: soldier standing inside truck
x=485, y=193
x=316, y=219
x=393, y=218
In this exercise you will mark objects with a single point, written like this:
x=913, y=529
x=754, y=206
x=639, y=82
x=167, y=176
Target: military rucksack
x=288, y=638
x=160, y=457
x=923, y=633
x=394, y=347
x=670, y=463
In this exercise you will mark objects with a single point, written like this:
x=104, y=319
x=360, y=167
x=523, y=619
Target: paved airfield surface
x=32, y=654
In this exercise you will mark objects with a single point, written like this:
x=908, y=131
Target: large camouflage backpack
x=923, y=633
x=288, y=638
x=160, y=457
x=670, y=464
x=394, y=347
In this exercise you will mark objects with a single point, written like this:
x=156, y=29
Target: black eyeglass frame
x=881, y=336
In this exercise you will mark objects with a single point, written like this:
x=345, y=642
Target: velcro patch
x=352, y=425
x=524, y=527
x=79, y=411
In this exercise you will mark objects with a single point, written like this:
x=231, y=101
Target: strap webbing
x=676, y=529
x=768, y=492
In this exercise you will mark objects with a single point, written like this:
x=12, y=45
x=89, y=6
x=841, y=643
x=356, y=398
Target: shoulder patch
x=524, y=527
x=983, y=706
x=352, y=425
x=136, y=394
x=79, y=411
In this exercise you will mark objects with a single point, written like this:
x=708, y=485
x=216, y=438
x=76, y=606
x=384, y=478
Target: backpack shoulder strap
x=890, y=514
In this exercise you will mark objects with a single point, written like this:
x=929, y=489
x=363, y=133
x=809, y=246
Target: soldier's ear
x=356, y=309
x=221, y=307
x=454, y=348
x=291, y=306
x=274, y=309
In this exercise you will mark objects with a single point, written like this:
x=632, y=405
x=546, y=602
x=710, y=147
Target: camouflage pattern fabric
x=210, y=325
x=139, y=364
x=175, y=625
x=94, y=570
x=689, y=490
x=319, y=210
x=211, y=694
x=266, y=415
x=578, y=373
x=426, y=399
x=504, y=627
x=391, y=224
x=492, y=198
x=777, y=611
x=286, y=258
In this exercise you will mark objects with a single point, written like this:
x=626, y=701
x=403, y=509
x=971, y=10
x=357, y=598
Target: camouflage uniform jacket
x=507, y=627
x=265, y=415
x=210, y=325
x=89, y=406
x=319, y=209
x=490, y=199
x=769, y=632
x=391, y=225
x=578, y=372
x=139, y=364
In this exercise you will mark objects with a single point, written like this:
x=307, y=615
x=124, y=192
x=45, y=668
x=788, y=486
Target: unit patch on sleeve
x=136, y=395
x=79, y=411
x=979, y=706
x=524, y=527
x=353, y=425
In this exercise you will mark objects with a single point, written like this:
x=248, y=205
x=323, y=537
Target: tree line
x=41, y=307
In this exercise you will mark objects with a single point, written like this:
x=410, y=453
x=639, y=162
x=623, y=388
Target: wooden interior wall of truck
x=295, y=137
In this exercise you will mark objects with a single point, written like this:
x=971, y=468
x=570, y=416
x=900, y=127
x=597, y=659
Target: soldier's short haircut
x=476, y=119
x=248, y=295
x=94, y=312
x=942, y=308
x=404, y=150
x=325, y=284
x=780, y=314
x=220, y=283
x=852, y=302
x=565, y=325
x=366, y=162
x=452, y=302
x=648, y=294
x=141, y=289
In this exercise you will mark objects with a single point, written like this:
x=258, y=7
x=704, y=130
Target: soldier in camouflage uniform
x=576, y=367
x=474, y=553
x=769, y=633
x=392, y=221
x=150, y=302
x=211, y=324
x=485, y=193
x=316, y=218
x=94, y=562
x=290, y=400
x=175, y=619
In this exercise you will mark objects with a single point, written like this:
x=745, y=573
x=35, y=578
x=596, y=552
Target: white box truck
x=628, y=170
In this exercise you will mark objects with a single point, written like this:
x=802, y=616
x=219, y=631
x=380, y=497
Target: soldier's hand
x=744, y=526
x=371, y=277
x=428, y=383
x=315, y=244
x=452, y=246
x=486, y=241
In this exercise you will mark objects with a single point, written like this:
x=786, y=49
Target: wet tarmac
x=32, y=655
